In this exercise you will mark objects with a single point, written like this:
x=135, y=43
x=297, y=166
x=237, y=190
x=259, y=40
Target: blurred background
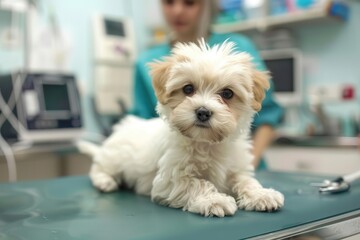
x=83, y=52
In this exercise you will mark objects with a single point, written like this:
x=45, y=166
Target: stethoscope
x=340, y=184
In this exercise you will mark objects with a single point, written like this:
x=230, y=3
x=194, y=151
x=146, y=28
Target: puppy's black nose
x=203, y=114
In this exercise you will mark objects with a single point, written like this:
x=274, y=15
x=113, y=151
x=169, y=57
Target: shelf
x=267, y=22
x=14, y=5
x=239, y=26
x=297, y=17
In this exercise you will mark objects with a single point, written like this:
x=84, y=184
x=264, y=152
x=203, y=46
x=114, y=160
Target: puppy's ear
x=159, y=71
x=261, y=84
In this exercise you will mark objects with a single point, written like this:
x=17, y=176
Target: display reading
x=56, y=97
x=282, y=74
x=114, y=28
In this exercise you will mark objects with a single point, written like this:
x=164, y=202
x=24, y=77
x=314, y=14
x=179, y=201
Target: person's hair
x=209, y=14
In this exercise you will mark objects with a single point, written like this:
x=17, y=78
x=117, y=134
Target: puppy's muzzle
x=203, y=116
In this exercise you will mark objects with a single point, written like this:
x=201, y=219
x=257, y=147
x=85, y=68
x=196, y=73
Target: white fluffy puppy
x=197, y=156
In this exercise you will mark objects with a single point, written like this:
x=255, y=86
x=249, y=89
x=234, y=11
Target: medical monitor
x=114, y=40
x=44, y=107
x=50, y=107
x=285, y=68
x=114, y=57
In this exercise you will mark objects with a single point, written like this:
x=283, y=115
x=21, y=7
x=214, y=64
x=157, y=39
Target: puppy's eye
x=188, y=89
x=227, y=93
x=168, y=2
x=189, y=2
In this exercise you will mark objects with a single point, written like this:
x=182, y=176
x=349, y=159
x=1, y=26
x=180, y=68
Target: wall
x=332, y=52
x=10, y=58
x=75, y=19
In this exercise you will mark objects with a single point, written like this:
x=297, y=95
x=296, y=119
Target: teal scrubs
x=145, y=100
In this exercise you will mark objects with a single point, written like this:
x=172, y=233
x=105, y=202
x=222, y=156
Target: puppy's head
x=206, y=93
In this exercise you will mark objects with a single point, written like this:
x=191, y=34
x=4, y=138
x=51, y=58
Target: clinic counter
x=318, y=141
x=70, y=208
x=20, y=148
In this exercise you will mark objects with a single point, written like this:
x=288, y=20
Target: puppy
x=197, y=155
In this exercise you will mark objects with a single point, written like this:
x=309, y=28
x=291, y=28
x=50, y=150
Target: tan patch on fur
x=175, y=98
x=261, y=84
x=236, y=106
x=159, y=71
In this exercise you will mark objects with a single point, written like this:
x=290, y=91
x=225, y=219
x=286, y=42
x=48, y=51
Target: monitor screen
x=114, y=28
x=285, y=67
x=282, y=74
x=56, y=97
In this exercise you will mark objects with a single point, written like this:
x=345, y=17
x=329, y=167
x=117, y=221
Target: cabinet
x=40, y=163
x=319, y=160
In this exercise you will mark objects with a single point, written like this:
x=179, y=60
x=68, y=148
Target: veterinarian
x=188, y=21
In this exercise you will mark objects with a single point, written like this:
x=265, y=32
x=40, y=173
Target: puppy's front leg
x=194, y=195
x=102, y=180
x=250, y=195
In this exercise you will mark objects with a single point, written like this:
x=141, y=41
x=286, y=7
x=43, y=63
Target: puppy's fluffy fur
x=181, y=159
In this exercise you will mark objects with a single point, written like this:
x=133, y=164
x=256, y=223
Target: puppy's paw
x=104, y=183
x=219, y=205
x=261, y=200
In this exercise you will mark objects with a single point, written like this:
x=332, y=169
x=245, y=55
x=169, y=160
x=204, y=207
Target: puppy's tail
x=88, y=148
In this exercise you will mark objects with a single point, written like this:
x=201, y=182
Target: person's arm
x=269, y=116
x=262, y=138
x=144, y=100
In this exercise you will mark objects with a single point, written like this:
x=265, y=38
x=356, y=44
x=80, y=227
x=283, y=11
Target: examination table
x=70, y=208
